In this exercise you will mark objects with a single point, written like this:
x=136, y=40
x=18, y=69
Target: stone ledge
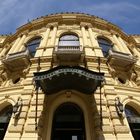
x=26, y=102
x=22, y=114
x=28, y=82
x=122, y=129
x=111, y=102
x=98, y=102
x=40, y=102
x=107, y=129
x=105, y=114
x=114, y=114
x=110, y=91
x=33, y=114
x=27, y=91
x=30, y=128
x=15, y=129
x=20, y=121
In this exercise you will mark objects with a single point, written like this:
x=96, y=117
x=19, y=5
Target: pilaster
x=83, y=25
x=124, y=45
x=14, y=45
x=20, y=45
x=43, y=43
x=53, y=37
x=119, y=46
x=96, y=47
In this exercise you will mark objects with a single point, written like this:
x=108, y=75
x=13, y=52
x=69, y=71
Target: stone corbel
x=54, y=24
x=138, y=78
x=137, y=74
x=112, y=71
x=85, y=24
x=133, y=76
x=25, y=71
x=3, y=75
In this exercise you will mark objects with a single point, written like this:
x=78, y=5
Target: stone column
x=21, y=42
x=3, y=51
x=84, y=34
x=53, y=38
x=136, y=52
x=14, y=45
x=119, y=45
x=49, y=50
x=115, y=47
x=43, y=42
x=124, y=45
x=96, y=49
x=88, y=50
x=94, y=42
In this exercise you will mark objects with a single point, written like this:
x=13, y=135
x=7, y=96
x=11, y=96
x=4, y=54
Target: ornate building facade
x=69, y=76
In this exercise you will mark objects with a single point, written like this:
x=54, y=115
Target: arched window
x=133, y=118
x=5, y=116
x=69, y=41
x=32, y=45
x=105, y=45
x=68, y=123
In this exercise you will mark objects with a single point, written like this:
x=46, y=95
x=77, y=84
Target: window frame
x=5, y=122
x=105, y=44
x=33, y=44
x=133, y=118
x=69, y=40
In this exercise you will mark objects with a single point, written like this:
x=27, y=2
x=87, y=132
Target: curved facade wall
x=70, y=39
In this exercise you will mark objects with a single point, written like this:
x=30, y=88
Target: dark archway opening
x=133, y=118
x=5, y=116
x=68, y=123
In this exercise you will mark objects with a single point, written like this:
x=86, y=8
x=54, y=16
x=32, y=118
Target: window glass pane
x=133, y=118
x=32, y=45
x=131, y=112
x=69, y=41
x=105, y=45
x=103, y=41
x=69, y=37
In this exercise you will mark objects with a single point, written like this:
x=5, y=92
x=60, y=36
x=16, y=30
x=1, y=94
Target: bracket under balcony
x=121, y=60
x=18, y=60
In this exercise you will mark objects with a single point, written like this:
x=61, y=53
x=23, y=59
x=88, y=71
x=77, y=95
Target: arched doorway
x=5, y=116
x=68, y=123
x=133, y=118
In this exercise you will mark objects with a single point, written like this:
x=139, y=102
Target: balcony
x=121, y=60
x=18, y=60
x=68, y=78
x=68, y=53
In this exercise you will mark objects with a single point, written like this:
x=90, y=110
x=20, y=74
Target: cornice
x=67, y=18
x=126, y=88
x=10, y=89
x=42, y=59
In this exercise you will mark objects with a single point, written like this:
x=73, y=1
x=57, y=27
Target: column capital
x=23, y=33
x=114, y=33
x=54, y=24
x=85, y=24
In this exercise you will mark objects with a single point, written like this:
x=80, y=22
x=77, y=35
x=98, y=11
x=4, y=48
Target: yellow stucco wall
x=88, y=29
